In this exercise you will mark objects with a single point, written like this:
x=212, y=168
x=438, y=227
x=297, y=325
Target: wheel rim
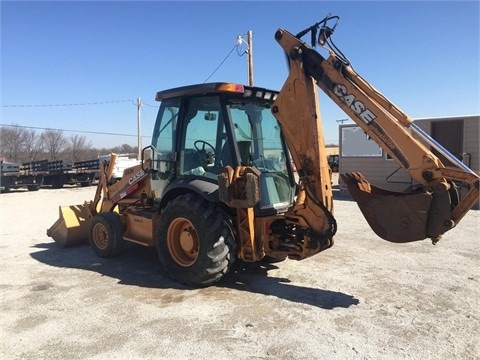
x=182, y=242
x=100, y=236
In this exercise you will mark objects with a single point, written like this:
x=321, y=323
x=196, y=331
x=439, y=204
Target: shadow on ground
x=254, y=278
x=139, y=266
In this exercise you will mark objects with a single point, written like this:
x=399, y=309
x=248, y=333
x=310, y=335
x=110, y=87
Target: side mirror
x=147, y=156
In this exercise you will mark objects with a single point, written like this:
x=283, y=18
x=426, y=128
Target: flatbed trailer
x=59, y=173
x=41, y=173
x=12, y=176
x=86, y=172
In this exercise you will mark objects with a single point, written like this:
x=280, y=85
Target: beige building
x=332, y=150
x=460, y=135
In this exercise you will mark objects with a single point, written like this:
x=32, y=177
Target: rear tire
x=57, y=182
x=195, y=241
x=106, y=234
x=273, y=260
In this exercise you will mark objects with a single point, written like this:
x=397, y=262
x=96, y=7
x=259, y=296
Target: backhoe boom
x=397, y=217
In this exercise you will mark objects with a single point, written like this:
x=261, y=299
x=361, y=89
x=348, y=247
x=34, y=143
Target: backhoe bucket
x=395, y=217
x=72, y=226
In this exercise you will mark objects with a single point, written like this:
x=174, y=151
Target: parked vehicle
x=217, y=185
x=333, y=162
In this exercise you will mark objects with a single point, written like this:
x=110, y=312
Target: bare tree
x=19, y=144
x=33, y=146
x=127, y=149
x=79, y=146
x=92, y=153
x=12, y=142
x=54, y=142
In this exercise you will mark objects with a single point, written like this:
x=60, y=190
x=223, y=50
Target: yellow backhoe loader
x=217, y=183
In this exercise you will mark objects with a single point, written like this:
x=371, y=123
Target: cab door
x=163, y=148
x=203, y=138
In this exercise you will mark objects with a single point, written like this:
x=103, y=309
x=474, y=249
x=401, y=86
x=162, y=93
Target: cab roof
x=216, y=88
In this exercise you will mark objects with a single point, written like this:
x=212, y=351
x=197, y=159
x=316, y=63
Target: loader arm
x=396, y=217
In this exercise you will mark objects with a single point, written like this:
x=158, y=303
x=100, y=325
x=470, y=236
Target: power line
x=68, y=104
x=69, y=130
x=154, y=106
x=221, y=63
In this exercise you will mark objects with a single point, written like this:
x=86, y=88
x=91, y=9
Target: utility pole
x=249, y=52
x=139, y=107
x=250, y=58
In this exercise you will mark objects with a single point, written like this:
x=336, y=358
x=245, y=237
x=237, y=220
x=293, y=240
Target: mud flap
x=395, y=217
x=71, y=228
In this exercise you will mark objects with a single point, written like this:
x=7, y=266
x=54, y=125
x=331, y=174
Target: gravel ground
x=362, y=299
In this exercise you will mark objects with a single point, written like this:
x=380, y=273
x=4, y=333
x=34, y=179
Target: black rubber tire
x=106, y=234
x=6, y=183
x=57, y=182
x=33, y=187
x=272, y=260
x=211, y=244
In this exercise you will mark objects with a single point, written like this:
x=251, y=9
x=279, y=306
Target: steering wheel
x=205, y=144
x=207, y=158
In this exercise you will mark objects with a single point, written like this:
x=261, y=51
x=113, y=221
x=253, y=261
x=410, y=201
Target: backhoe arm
x=297, y=110
x=396, y=217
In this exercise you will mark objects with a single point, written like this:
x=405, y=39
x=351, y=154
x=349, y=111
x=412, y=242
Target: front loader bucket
x=396, y=217
x=72, y=226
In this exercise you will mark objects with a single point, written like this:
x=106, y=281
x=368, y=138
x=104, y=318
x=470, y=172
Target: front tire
x=195, y=241
x=106, y=234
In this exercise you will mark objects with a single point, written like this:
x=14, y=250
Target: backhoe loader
x=217, y=182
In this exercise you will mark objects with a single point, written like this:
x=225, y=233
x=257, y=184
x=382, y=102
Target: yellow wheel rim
x=182, y=242
x=100, y=236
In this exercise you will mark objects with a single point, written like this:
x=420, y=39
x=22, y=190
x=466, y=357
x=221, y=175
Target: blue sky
x=423, y=55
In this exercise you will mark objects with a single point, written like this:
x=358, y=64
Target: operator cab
x=200, y=129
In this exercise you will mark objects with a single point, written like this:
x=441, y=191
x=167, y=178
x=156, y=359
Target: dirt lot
x=362, y=299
